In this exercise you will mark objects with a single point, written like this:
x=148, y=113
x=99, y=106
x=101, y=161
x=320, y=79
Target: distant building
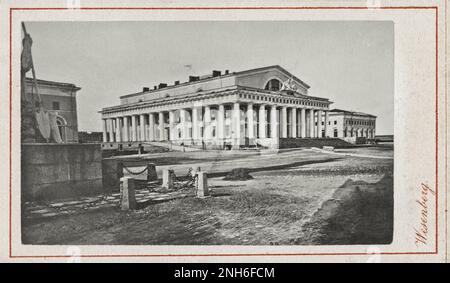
x=59, y=98
x=90, y=137
x=350, y=125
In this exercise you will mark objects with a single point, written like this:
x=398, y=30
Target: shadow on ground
x=358, y=213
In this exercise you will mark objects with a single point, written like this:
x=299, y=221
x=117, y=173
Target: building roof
x=210, y=77
x=193, y=95
x=276, y=67
x=354, y=113
x=53, y=83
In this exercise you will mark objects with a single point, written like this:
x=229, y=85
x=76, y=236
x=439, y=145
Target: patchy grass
x=215, y=220
x=300, y=201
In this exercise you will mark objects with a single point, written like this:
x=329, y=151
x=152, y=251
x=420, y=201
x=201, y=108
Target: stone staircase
x=170, y=146
x=314, y=142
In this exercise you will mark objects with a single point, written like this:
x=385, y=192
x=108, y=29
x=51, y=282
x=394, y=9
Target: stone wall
x=51, y=171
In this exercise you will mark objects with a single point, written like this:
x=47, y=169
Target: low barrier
x=197, y=181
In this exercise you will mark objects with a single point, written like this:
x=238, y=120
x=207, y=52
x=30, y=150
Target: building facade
x=350, y=126
x=220, y=110
x=59, y=98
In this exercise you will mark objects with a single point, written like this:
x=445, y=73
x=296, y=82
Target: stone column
x=311, y=123
x=111, y=137
x=250, y=125
x=142, y=135
x=104, y=127
x=221, y=122
x=293, y=122
x=161, y=126
x=195, y=133
x=167, y=179
x=184, y=128
x=273, y=122
x=172, y=125
x=133, y=128
x=202, y=184
x=283, y=123
x=207, y=123
x=151, y=172
x=151, y=126
x=262, y=121
x=128, y=199
x=126, y=129
x=326, y=124
x=303, y=123
x=236, y=122
x=118, y=130
x=319, y=123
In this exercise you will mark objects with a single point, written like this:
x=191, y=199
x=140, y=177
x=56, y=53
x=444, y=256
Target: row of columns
x=114, y=126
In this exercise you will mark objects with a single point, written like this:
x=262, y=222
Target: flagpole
x=33, y=71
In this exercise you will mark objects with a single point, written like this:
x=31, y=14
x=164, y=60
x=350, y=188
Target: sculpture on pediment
x=289, y=85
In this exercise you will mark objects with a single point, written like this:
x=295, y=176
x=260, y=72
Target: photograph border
x=436, y=10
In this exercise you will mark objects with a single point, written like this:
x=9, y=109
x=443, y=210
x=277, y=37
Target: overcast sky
x=351, y=63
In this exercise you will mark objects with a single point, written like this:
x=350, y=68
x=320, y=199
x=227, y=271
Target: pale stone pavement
x=65, y=207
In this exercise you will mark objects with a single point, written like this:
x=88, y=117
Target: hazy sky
x=351, y=63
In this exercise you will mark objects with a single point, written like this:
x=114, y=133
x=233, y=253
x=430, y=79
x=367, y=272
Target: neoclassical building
x=219, y=110
x=350, y=125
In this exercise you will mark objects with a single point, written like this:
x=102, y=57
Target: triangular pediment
x=259, y=77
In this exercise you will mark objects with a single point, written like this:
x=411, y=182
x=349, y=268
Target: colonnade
x=230, y=121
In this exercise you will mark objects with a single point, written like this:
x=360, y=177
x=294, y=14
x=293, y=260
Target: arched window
x=61, y=127
x=273, y=84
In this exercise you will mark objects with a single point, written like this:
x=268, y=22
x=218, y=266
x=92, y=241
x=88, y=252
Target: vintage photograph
x=207, y=132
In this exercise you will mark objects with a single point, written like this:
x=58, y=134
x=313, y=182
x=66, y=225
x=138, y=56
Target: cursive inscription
x=422, y=231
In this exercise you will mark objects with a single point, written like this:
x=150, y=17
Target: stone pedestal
x=167, y=182
x=151, y=172
x=202, y=184
x=128, y=199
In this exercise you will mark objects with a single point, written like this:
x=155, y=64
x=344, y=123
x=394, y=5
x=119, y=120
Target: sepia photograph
x=207, y=132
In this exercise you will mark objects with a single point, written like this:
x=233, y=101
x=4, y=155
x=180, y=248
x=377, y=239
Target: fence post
x=151, y=172
x=119, y=170
x=202, y=184
x=167, y=182
x=128, y=199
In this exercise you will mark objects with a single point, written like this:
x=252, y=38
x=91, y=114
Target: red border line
x=446, y=133
x=222, y=8
x=437, y=128
x=233, y=8
x=10, y=132
x=227, y=255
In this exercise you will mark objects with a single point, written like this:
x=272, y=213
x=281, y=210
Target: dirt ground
x=296, y=197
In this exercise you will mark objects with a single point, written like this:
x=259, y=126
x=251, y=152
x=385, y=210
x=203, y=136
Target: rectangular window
x=335, y=122
x=55, y=105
